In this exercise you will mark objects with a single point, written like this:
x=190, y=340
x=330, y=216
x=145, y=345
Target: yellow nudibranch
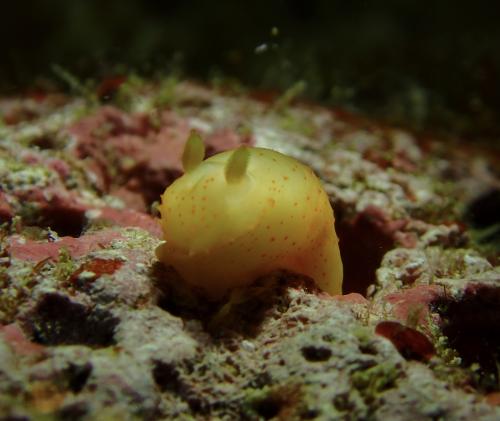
x=244, y=213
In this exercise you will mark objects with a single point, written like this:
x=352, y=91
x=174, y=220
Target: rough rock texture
x=93, y=327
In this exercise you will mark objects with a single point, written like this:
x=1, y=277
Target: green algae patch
x=65, y=265
x=372, y=382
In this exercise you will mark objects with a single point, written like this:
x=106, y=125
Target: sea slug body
x=244, y=213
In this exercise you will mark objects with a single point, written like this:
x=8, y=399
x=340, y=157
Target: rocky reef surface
x=93, y=327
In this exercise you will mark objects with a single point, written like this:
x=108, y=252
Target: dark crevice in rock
x=66, y=221
x=77, y=376
x=268, y=408
x=483, y=215
x=472, y=326
x=484, y=211
x=56, y=321
x=368, y=349
x=362, y=246
x=228, y=316
x=316, y=353
x=166, y=376
x=45, y=142
x=176, y=298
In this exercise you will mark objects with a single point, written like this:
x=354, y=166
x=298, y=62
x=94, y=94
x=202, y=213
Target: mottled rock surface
x=93, y=327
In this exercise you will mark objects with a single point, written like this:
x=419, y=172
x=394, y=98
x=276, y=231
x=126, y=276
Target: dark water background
x=426, y=64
